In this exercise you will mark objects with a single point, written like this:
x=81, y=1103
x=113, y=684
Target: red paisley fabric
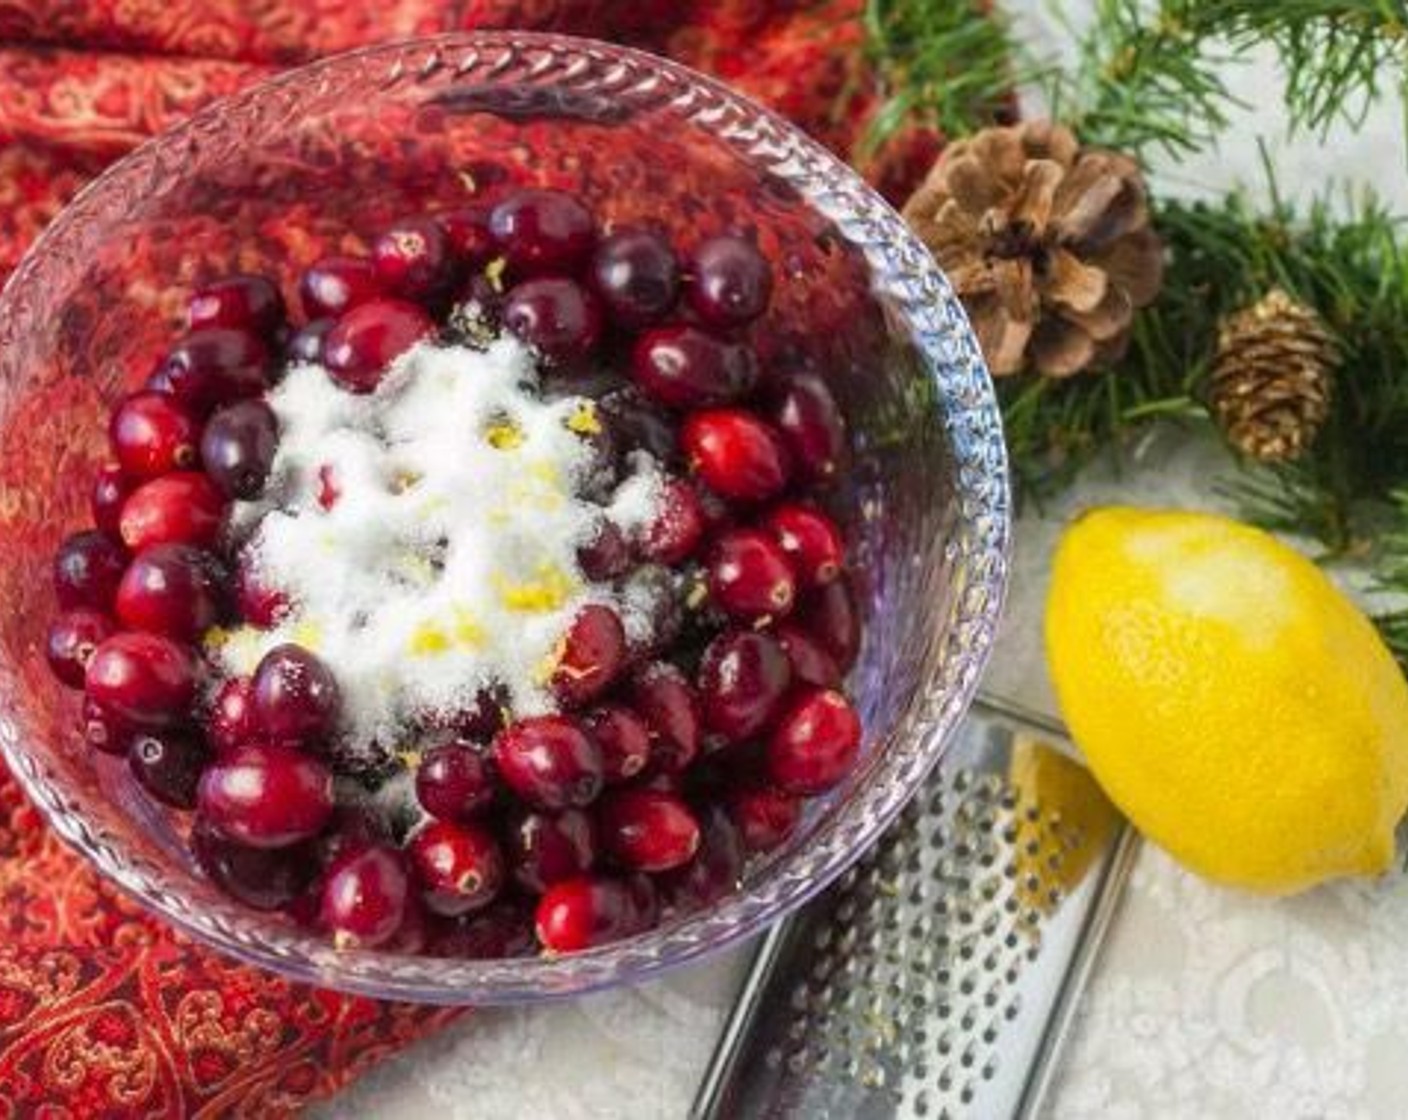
x=105, y=1013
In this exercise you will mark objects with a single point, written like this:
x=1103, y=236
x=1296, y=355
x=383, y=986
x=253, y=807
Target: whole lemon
x=1231, y=701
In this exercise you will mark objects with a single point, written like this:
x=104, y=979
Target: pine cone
x=1272, y=378
x=1048, y=245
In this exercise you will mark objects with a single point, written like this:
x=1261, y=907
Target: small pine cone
x=1272, y=378
x=1047, y=244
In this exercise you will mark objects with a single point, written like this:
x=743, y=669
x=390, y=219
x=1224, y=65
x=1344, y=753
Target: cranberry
x=815, y=743
x=249, y=302
x=215, y=366
x=593, y=653
x=669, y=708
x=584, y=912
x=637, y=276
x=167, y=765
x=479, y=720
x=829, y=614
x=549, y=762
x=365, y=341
x=503, y=929
x=749, y=576
x=335, y=285
x=637, y=423
x=811, y=427
x=545, y=848
x=683, y=367
x=715, y=868
x=237, y=447
x=735, y=453
x=811, y=540
x=296, y=699
x=646, y=830
x=110, y=490
x=622, y=738
x=259, y=603
x=811, y=663
x=467, y=232
x=454, y=783
x=365, y=897
x=145, y=679
x=261, y=878
x=766, y=817
x=103, y=730
x=307, y=343
x=732, y=282
x=743, y=678
x=72, y=640
x=266, y=796
x=543, y=231
x=459, y=866
x=675, y=531
x=412, y=258
x=180, y=508
x=558, y=317
x=172, y=589
x=329, y=492
x=152, y=435
x=606, y=555
x=88, y=566
x=232, y=722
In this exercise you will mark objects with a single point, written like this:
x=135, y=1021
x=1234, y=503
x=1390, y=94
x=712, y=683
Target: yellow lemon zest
x=504, y=435
x=549, y=588
x=584, y=420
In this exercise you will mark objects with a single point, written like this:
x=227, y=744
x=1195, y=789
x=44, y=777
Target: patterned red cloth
x=103, y=1011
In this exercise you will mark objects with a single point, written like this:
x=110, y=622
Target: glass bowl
x=314, y=160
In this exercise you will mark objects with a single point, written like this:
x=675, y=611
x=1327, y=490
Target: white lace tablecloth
x=1205, y=1002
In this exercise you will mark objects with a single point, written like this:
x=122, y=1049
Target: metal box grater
x=937, y=978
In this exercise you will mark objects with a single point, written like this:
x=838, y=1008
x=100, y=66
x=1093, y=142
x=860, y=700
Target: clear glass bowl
x=313, y=160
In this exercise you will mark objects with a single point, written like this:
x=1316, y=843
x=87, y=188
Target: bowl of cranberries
x=485, y=519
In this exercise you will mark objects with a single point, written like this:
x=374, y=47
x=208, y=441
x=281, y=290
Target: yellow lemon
x=1240, y=710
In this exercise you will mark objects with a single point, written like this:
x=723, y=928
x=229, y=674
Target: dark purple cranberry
x=637, y=277
x=593, y=654
x=103, y=730
x=731, y=283
x=412, y=258
x=87, y=569
x=829, y=615
x=168, y=765
x=110, y=489
x=677, y=527
x=296, y=698
x=737, y=455
x=504, y=929
x=623, y=739
x=180, y=508
x=766, y=817
x=365, y=897
x=365, y=341
x=811, y=663
x=549, y=762
x=815, y=743
x=558, y=317
x=467, y=231
x=237, y=447
x=545, y=848
x=145, y=679
x=159, y=380
x=151, y=434
x=743, y=678
x=607, y=555
x=655, y=593
x=637, y=423
x=459, y=866
x=332, y=286
x=749, y=576
x=647, y=830
x=669, y=707
x=261, y=878
x=716, y=867
x=215, y=366
x=454, y=783
x=232, y=722
x=172, y=589
x=812, y=427
x=306, y=344
x=72, y=640
x=478, y=720
x=683, y=367
x=244, y=301
x=543, y=231
x=266, y=796
x=588, y=911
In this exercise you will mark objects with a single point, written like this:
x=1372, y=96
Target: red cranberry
x=454, y=783
x=168, y=765
x=152, y=435
x=259, y=603
x=558, y=317
x=145, y=679
x=829, y=614
x=103, y=730
x=504, y=929
x=815, y=744
x=637, y=423
x=467, y=231
x=593, y=653
x=683, y=367
x=232, y=721
x=87, y=569
x=365, y=341
x=735, y=453
x=766, y=817
x=72, y=640
x=459, y=866
x=811, y=427
x=622, y=738
x=543, y=231
x=606, y=555
x=716, y=867
x=677, y=527
x=811, y=663
x=412, y=258
x=329, y=490
x=237, y=447
x=811, y=540
x=215, y=366
x=252, y=303
x=261, y=878
x=549, y=762
x=335, y=285
x=732, y=282
x=110, y=490
x=749, y=576
x=266, y=796
x=584, y=912
x=743, y=678
x=172, y=589
x=180, y=508
x=637, y=276
x=306, y=344
x=296, y=699
x=645, y=830
x=667, y=704
x=365, y=897
x=545, y=848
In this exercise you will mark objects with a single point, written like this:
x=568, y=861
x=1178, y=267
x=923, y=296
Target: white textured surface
x=1206, y=1003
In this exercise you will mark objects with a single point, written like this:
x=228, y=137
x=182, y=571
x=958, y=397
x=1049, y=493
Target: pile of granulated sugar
x=448, y=562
